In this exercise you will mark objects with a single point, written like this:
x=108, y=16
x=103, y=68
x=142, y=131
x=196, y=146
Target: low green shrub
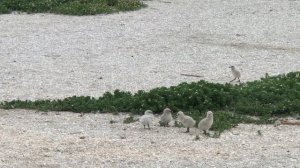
x=278, y=95
x=226, y=120
x=4, y=9
x=129, y=120
x=69, y=7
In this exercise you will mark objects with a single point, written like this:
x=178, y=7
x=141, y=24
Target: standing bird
x=187, y=121
x=235, y=73
x=166, y=117
x=147, y=118
x=205, y=124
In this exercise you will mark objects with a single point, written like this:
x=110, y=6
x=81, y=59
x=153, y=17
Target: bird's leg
x=144, y=126
x=205, y=133
x=187, y=130
x=148, y=126
x=233, y=79
x=239, y=80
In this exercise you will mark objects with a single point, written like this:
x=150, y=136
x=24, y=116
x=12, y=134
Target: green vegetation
x=129, y=120
x=69, y=7
x=225, y=120
x=278, y=95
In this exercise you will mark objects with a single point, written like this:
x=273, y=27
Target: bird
x=187, y=121
x=147, y=118
x=236, y=74
x=205, y=124
x=166, y=117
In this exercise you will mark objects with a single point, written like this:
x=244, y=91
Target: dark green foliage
x=112, y=2
x=129, y=120
x=279, y=95
x=273, y=95
x=69, y=7
x=4, y=9
x=227, y=120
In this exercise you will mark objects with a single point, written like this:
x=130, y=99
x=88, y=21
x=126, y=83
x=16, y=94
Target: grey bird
x=205, y=124
x=187, y=121
x=166, y=117
x=147, y=118
x=236, y=74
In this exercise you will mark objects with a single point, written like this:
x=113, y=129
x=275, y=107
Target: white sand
x=52, y=56
x=30, y=139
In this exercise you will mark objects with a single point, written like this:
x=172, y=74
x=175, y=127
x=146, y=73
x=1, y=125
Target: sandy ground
x=53, y=56
x=62, y=139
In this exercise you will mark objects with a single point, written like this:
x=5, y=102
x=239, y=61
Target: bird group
x=187, y=121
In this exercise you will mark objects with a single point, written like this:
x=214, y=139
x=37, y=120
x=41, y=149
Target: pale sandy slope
x=54, y=56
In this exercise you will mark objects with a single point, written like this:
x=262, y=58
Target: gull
x=205, y=124
x=166, y=117
x=147, y=118
x=235, y=73
x=186, y=121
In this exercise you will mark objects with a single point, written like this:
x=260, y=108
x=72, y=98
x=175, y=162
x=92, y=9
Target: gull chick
x=187, y=121
x=205, y=124
x=166, y=117
x=147, y=118
x=236, y=74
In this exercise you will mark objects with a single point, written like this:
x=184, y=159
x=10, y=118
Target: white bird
x=147, y=118
x=236, y=74
x=205, y=124
x=166, y=117
x=187, y=121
